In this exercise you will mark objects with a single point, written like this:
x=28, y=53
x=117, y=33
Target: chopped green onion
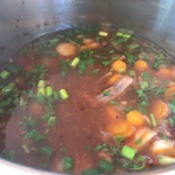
x=49, y=91
x=26, y=149
x=113, y=102
x=33, y=134
x=42, y=91
x=132, y=73
x=103, y=34
x=119, y=138
x=52, y=121
x=53, y=41
x=102, y=146
x=91, y=172
x=106, y=166
x=128, y=152
x=75, y=62
x=55, y=95
x=171, y=121
x=41, y=83
x=106, y=93
x=4, y=74
x=127, y=36
x=138, y=141
x=68, y=163
x=144, y=85
x=95, y=71
x=165, y=159
x=106, y=63
x=129, y=108
x=63, y=94
x=153, y=120
x=119, y=34
x=47, y=151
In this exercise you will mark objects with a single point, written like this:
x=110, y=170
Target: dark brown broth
x=80, y=119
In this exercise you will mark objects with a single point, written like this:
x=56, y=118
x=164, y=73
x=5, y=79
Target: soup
x=88, y=101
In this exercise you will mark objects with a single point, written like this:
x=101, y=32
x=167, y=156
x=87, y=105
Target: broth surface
x=88, y=101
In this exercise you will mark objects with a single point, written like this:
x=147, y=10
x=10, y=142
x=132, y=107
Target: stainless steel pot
x=22, y=20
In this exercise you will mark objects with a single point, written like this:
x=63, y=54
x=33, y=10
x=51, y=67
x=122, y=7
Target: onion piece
x=164, y=160
x=163, y=147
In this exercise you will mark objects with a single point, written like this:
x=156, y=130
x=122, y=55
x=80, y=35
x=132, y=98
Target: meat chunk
x=115, y=90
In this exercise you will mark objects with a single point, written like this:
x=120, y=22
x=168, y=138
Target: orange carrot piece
x=140, y=65
x=114, y=78
x=159, y=109
x=170, y=93
x=120, y=127
x=119, y=66
x=164, y=73
x=135, y=118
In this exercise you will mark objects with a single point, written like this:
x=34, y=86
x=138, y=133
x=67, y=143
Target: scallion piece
x=26, y=149
x=119, y=34
x=75, y=62
x=4, y=74
x=101, y=33
x=153, y=120
x=106, y=93
x=91, y=172
x=55, y=95
x=41, y=83
x=49, y=91
x=127, y=36
x=42, y=91
x=52, y=121
x=68, y=164
x=63, y=94
x=46, y=150
x=128, y=152
x=106, y=166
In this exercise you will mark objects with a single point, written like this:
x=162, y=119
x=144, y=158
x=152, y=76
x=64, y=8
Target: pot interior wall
x=23, y=20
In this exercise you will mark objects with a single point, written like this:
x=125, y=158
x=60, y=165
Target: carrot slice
x=119, y=66
x=170, y=93
x=114, y=78
x=140, y=65
x=120, y=127
x=160, y=109
x=135, y=117
x=164, y=73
